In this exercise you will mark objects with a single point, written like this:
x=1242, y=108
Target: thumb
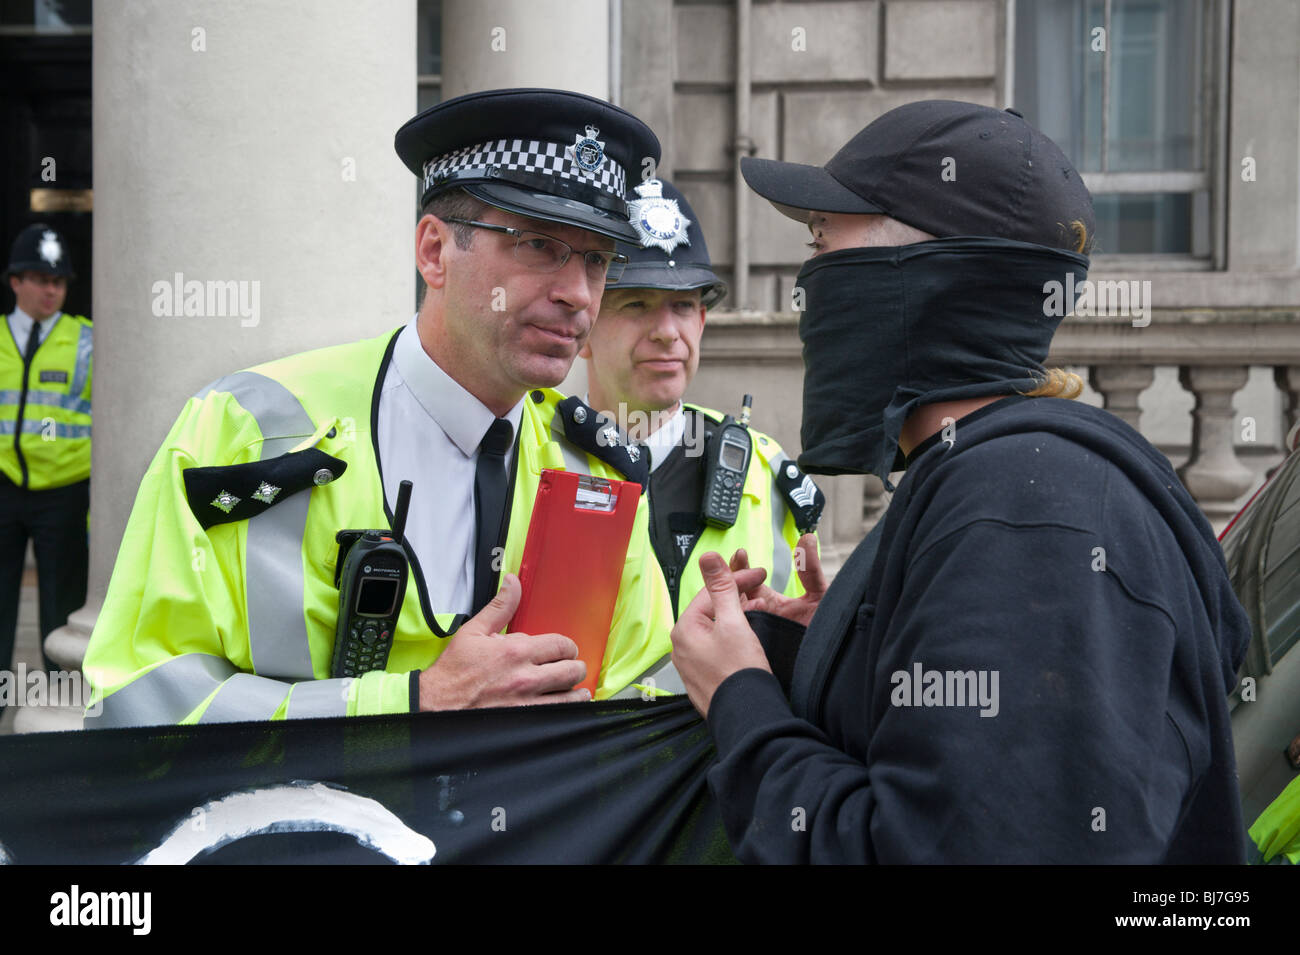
x=499, y=611
x=721, y=584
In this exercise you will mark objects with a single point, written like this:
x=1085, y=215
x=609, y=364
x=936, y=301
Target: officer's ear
x=433, y=242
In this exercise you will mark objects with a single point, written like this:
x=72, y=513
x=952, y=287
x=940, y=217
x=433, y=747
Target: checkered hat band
x=528, y=156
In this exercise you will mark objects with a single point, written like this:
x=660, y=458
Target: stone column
x=488, y=44
x=1213, y=474
x=1120, y=386
x=561, y=44
x=246, y=143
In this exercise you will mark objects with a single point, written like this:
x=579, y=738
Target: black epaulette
x=803, y=497
x=237, y=492
x=591, y=431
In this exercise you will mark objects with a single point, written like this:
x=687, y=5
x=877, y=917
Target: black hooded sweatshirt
x=1048, y=556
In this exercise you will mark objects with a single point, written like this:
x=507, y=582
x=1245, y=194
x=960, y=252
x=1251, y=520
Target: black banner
x=616, y=781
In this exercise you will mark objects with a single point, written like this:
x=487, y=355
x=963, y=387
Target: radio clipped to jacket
x=725, y=469
x=371, y=577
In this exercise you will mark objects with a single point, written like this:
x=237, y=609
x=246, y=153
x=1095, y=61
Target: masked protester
x=1028, y=658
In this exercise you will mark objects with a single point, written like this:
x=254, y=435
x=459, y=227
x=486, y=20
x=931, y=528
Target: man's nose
x=663, y=328
x=572, y=287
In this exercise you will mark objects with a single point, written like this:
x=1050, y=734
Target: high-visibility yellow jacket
x=45, y=409
x=765, y=527
x=1277, y=830
x=237, y=621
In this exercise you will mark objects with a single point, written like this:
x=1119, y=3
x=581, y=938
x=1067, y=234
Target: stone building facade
x=253, y=143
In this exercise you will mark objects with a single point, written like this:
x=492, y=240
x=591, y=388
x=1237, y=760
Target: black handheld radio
x=371, y=578
x=725, y=469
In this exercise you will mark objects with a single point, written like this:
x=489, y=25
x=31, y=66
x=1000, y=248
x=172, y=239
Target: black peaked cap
x=553, y=155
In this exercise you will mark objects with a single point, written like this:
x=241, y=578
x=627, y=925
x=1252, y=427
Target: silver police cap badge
x=658, y=222
x=51, y=250
x=587, y=151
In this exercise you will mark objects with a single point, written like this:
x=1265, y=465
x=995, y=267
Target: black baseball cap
x=549, y=154
x=38, y=248
x=671, y=254
x=944, y=167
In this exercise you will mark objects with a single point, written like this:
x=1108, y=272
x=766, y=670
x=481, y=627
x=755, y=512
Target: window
x=1126, y=89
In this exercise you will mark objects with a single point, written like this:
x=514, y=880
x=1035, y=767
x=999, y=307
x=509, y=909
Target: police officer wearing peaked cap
x=641, y=358
x=45, y=379
x=551, y=155
x=523, y=199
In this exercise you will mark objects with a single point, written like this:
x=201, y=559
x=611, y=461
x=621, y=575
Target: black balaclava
x=890, y=328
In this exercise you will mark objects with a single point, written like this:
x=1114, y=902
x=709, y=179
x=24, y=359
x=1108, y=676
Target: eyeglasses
x=544, y=253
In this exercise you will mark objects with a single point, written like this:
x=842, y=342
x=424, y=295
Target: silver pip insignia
x=658, y=222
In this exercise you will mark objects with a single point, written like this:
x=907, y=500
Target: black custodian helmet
x=39, y=248
x=672, y=254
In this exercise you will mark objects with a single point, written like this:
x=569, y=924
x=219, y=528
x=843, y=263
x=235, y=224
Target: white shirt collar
x=667, y=437
x=21, y=323
x=463, y=418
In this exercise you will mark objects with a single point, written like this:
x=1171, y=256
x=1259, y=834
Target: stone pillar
x=236, y=143
x=1120, y=386
x=1213, y=474
x=488, y=44
x=561, y=44
x=842, y=524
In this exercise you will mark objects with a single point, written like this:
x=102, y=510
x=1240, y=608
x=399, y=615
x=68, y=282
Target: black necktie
x=489, y=507
x=33, y=343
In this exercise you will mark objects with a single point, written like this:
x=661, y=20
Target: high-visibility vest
x=1277, y=830
x=45, y=408
x=237, y=621
x=764, y=526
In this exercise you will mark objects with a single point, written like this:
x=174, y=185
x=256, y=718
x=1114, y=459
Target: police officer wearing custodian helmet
x=45, y=377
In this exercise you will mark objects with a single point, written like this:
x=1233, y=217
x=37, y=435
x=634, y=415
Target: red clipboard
x=573, y=561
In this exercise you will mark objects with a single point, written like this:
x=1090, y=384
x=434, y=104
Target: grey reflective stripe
x=38, y=426
x=165, y=695
x=52, y=398
x=71, y=402
x=662, y=675
x=574, y=459
x=85, y=347
x=277, y=629
x=245, y=697
x=318, y=698
x=781, y=562
x=669, y=679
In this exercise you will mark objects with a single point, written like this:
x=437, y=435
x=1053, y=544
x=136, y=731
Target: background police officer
x=641, y=358
x=45, y=378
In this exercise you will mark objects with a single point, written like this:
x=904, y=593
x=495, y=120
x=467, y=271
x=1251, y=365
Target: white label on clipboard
x=594, y=494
